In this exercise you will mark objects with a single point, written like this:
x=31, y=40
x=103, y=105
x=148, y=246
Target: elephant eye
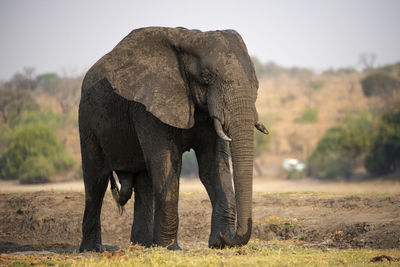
x=207, y=76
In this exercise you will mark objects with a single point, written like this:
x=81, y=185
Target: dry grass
x=254, y=254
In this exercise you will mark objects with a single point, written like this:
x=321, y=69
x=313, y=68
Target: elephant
x=158, y=93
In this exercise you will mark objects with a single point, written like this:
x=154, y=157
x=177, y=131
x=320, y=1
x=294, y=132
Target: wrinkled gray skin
x=158, y=93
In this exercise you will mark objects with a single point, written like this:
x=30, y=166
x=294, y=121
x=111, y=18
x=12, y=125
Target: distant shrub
x=33, y=141
x=271, y=69
x=289, y=98
x=316, y=84
x=384, y=155
x=341, y=149
x=330, y=160
x=35, y=170
x=340, y=71
x=309, y=115
x=379, y=84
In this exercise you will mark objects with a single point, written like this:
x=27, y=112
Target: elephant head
x=173, y=72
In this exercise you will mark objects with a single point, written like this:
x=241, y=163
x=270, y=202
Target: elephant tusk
x=220, y=132
x=261, y=128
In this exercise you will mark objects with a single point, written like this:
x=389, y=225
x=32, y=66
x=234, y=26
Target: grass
x=254, y=254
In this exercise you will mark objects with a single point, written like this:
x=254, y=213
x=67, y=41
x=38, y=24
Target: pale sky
x=69, y=36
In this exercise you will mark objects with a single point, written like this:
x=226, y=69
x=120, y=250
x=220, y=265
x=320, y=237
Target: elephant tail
x=115, y=194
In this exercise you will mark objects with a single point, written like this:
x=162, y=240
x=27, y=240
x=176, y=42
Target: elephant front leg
x=163, y=157
x=215, y=175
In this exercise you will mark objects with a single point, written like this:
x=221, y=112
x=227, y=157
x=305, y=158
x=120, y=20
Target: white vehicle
x=293, y=164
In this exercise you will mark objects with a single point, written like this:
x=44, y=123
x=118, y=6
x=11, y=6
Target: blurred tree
x=384, y=155
x=24, y=80
x=33, y=141
x=380, y=84
x=342, y=148
x=14, y=100
x=367, y=60
x=65, y=90
x=48, y=81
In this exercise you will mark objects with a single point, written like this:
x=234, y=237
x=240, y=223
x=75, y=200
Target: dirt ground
x=300, y=213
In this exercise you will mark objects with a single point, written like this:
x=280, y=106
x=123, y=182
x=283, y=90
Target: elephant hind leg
x=143, y=220
x=96, y=176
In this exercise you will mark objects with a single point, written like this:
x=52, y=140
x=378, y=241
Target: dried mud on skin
x=50, y=222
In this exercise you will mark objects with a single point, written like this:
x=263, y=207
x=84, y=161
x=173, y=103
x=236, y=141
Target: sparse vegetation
x=271, y=69
x=309, y=115
x=316, y=84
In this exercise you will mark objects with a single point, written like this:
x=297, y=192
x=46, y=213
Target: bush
x=384, y=155
x=330, y=159
x=316, y=84
x=309, y=115
x=35, y=170
x=341, y=149
x=379, y=84
x=33, y=141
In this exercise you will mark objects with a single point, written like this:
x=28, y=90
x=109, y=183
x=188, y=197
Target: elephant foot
x=92, y=247
x=174, y=246
x=146, y=244
x=217, y=240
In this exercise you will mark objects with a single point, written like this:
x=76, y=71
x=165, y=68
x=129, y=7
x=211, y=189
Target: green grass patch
x=254, y=254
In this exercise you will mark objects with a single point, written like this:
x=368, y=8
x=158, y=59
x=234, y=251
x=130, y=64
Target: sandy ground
x=261, y=185
x=304, y=213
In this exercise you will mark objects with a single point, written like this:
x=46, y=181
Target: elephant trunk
x=241, y=131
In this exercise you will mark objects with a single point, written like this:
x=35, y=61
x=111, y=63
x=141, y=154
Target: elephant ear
x=144, y=67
